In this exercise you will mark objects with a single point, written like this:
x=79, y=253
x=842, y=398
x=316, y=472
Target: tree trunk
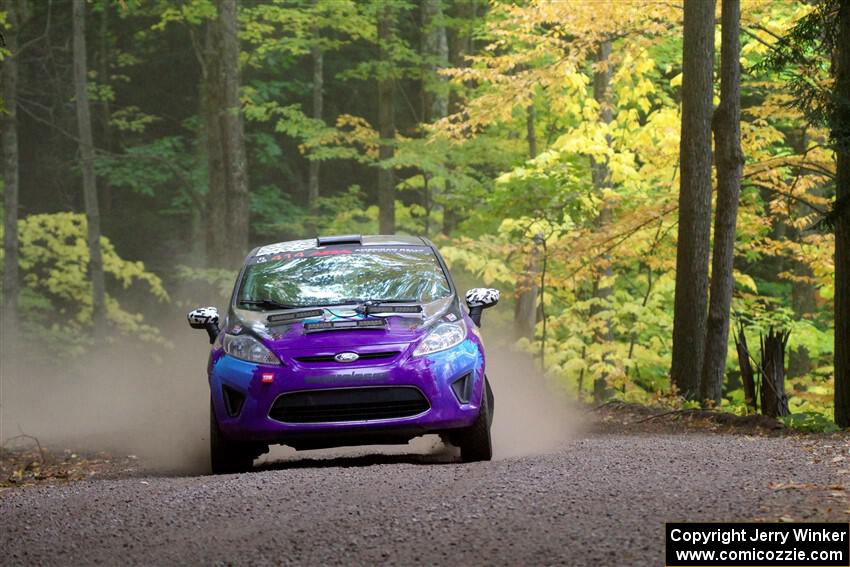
x=531, y=131
x=460, y=45
x=228, y=211
x=689, y=317
x=525, y=307
x=841, y=133
x=435, y=49
x=747, y=377
x=105, y=107
x=10, y=177
x=213, y=103
x=730, y=163
x=435, y=103
x=386, y=123
x=89, y=180
x=774, y=402
x=236, y=168
x=601, y=177
x=317, y=58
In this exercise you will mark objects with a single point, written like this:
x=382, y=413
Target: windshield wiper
x=364, y=304
x=267, y=303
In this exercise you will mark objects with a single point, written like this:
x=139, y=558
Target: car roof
x=364, y=240
x=383, y=240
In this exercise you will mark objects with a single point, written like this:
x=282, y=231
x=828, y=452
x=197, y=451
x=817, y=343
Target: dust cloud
x=531, y=416
x=129, y=399
x=123, y=398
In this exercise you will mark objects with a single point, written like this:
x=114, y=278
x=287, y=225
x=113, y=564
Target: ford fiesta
x=346, y=340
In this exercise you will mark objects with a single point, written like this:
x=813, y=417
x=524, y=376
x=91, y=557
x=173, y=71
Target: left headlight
x=246, y=347
x=443, y=336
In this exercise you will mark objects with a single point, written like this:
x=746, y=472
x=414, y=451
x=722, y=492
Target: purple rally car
x=346, y=340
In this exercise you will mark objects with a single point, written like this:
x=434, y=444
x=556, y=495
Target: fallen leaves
x=835, y=488
x=793, y=486
x=31, y=464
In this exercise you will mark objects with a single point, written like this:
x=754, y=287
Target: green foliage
x=151, y=168
x=214, y=283
x=275, y=216
x=131, y=119
x=285, y=30
x=798, y=54
x=555, y=197
x=810, y=422
x=54, y=260
x=517, y=73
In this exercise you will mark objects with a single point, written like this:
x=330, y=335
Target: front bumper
x=432, y=375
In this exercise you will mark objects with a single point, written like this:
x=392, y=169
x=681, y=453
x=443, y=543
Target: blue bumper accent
x=432, y=375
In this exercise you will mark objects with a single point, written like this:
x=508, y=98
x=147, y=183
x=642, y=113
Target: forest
x=660, y=190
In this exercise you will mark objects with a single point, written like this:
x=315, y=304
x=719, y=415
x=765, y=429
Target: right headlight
x=443, y=336
x=246, y=347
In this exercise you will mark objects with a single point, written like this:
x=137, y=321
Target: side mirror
x=205, y=318
x=478, y=299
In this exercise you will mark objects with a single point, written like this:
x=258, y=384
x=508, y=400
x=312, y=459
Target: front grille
x=363, y=356
x=348, y=404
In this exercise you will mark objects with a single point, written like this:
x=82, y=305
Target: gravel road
x=597, y=499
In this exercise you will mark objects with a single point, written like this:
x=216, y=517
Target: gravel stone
x=600, y=499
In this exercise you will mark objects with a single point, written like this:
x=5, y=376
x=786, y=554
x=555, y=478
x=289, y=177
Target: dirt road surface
x=597, y=499
x=566, y=486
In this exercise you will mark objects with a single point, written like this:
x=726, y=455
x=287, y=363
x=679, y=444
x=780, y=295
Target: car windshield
x=336, y=276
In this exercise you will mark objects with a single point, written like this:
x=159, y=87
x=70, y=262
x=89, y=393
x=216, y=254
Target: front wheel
x=474, y=441
x=226, y=456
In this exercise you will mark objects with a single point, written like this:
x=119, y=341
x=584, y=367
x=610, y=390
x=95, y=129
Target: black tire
x=474, y=441
x=228, y=457
x=490, y=400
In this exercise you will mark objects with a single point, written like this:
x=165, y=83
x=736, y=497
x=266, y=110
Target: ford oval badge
x=346, y=357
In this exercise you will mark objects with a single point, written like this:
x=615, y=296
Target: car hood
x=398, y=329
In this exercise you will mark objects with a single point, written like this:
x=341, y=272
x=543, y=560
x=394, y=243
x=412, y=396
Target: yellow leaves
x=131, y=119
x=353, y=137
x=544, y=52
x=54, y=258
x=815, y=251
x=745, y=281
x=477, y=257
x=590, y=141
x=575, y=81
x=623, y=167
x=630, y=79
x=574, y=365
x=193, y=12
x=543, y=48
